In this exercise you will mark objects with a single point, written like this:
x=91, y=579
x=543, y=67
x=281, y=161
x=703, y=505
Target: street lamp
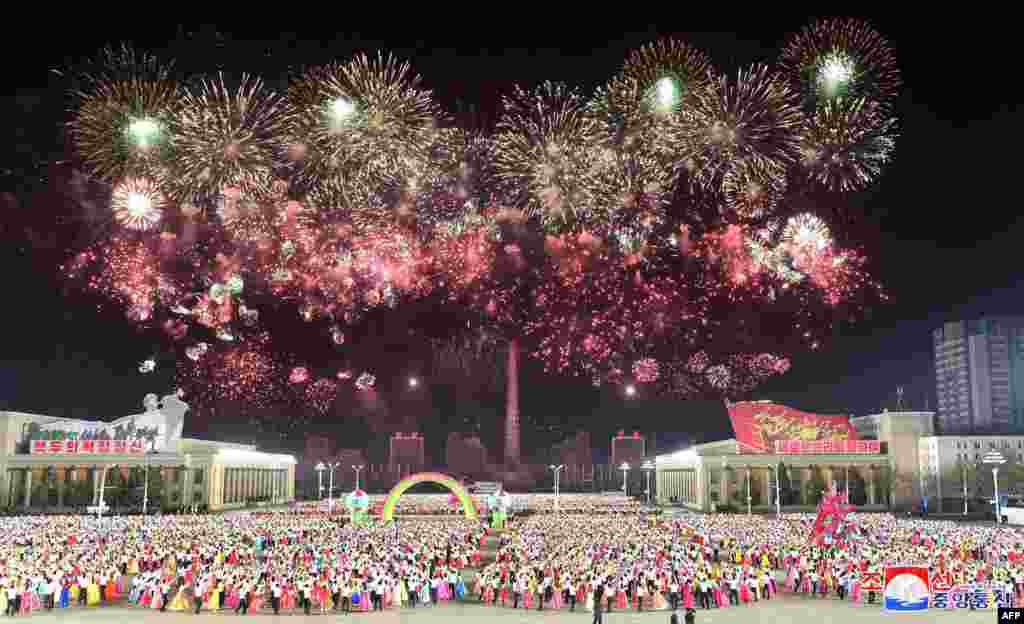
x=357, y=469
x=330, y=490
x=557, y=470
x=625, y=471
x=413, y=382
x=748, y=491
x=145, y=488
x=778, y=494
x=320, y=468
x=647, y=467
x=103, y=488
x=963, y=475
x=995, y=459
x=630, y=390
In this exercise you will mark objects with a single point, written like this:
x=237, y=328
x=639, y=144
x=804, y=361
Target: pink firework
x=646, y=370
x=365, y=382
x=299, y=375
x=244, y=371
x=320, y=395
x=127, y=271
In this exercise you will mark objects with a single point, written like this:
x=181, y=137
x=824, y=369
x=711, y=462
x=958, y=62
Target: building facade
x=951, y=465
x=705, y=476
x=979, y=376
x=630, y=449
x=406, y=450
x=42, y=457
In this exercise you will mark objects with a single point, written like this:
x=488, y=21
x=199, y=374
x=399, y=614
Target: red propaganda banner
x=759, y=425
x=56, y=446
x=39, y=447
x=136, y=446
x=87, y=446
x=70, y=446
x=118, y=446
x=102, y=446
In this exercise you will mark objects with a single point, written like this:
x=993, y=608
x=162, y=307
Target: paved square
x=785, y=611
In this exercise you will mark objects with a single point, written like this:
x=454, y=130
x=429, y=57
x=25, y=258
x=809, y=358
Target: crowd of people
x=303, y=561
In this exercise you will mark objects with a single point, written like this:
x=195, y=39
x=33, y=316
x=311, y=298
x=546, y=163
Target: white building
x=948, y=463
x=43, y=457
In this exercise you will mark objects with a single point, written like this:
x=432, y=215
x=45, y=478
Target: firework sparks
x=320, y=395
x=751, y=121
x=356, y=126
x=245, y=372
x=138, y=204
x=543, y=153
x=842, y=59
x=365, y=382
x=119, y=127
x=223, y=137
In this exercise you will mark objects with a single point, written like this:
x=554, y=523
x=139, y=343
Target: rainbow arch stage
x=468, y=508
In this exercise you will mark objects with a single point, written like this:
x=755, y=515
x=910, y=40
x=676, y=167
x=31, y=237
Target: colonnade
x=178, y=482
x=696, y=486
x=244, y=483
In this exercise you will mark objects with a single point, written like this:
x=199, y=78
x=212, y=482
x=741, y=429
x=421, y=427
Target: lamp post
x=963, y=474
x=103, y=488
x=647, y=467
x=778, y=494
x=320, y=468
x=625, y=472
x=357, y=469
x=995, y=459
x=145, y=488
x=557, y=470
x=748, y=491
x=330, y=489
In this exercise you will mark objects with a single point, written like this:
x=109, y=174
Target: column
x=723, y=490
x=229, y=485
x=768, y=495
x=186, y=488
x=63, y=477
x=28, y=487
x=871, y=485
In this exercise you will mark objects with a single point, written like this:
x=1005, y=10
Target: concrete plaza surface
x=785, y=611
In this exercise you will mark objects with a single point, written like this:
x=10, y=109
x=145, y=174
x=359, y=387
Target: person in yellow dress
x=213, y=604
x=3, y=598
x=180, y=601
x=92, y=593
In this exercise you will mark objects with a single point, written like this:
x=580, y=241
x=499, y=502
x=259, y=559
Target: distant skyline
x=941, y=228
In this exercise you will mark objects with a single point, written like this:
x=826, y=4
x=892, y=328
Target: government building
x=778, y=451
x=42, y=458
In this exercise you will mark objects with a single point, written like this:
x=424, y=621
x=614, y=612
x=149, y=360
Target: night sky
x=942, y=227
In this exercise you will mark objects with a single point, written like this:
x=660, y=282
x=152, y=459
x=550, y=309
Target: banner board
x=765, y=427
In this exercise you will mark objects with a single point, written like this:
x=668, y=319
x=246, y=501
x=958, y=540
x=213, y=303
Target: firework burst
x=839, y=58
x=246, y=219
x=846, y=144
x=543, y=155
x=352, y=127
x=752, y=121
x=320, y=395
x=667, y=74
x=224, y=137
x=138, y=204
x=120, y=123
x=245, y=372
